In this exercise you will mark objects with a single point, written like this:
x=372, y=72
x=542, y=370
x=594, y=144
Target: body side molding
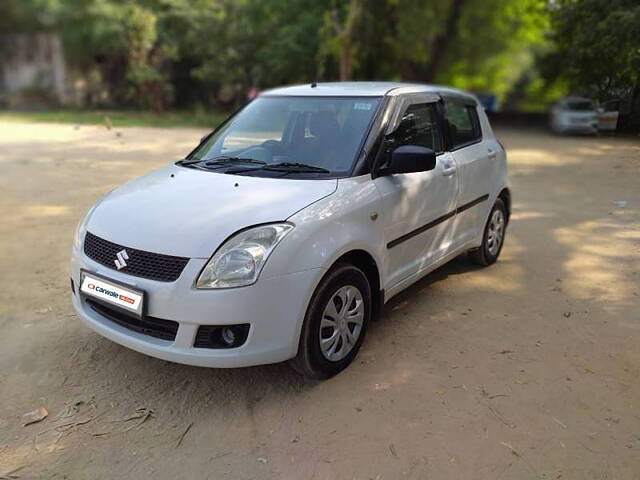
x=437, y=221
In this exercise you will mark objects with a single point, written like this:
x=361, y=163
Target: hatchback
x=284, y=232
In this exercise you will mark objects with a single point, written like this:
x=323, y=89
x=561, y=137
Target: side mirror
x=410, y=159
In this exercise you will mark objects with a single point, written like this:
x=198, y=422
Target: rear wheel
x=493, y=237
x=335, y=324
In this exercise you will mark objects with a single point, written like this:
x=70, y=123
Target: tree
x=144, y=56
x=597, y=49
x=435, y=30
x=597, y=45
x=183, y=52
x=480, y=45
x=344, y=31
x=247, y=43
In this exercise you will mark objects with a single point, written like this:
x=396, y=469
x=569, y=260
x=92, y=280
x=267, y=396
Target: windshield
x=580, y=105
x=323, y=132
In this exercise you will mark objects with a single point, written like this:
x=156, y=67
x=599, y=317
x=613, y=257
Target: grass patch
x=120, y=118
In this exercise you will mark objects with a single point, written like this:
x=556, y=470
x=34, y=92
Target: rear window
x=462, y=122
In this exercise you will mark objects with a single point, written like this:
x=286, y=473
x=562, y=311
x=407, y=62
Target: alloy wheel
x=495, y=233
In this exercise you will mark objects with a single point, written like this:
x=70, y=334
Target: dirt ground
x=527, y=369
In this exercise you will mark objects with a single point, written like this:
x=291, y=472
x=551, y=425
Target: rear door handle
x=492, y=154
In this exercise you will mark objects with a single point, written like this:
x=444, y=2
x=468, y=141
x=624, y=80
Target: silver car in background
x=574, y=115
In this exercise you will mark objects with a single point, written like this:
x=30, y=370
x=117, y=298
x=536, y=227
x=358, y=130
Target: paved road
x=527, y=369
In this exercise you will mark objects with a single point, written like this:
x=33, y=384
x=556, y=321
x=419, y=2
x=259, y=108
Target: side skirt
x=407, y=282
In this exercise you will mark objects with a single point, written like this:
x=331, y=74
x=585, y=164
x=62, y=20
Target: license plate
x=112, y=293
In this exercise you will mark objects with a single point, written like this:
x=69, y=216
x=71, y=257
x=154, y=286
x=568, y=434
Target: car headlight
x=240, y=259
x=81, y=228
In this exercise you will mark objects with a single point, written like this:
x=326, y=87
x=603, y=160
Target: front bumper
x=584, y=128
x=274, y=307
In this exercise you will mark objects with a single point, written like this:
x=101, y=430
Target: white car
x=574, y=115
x=281, y=236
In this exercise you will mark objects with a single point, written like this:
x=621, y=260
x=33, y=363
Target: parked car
x=284, y=232
x=608, y=115
x=574, y=115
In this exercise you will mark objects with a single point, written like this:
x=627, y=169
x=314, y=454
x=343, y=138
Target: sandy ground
x=527, y=369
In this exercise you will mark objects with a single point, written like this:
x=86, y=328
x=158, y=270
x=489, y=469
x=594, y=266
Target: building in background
x=32, y=70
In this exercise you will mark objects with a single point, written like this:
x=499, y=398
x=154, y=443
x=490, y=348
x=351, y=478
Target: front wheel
x=493, y=237
x=335, y=323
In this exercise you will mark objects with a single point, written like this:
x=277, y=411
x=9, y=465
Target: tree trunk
x=344, y=33
x=443, y=40
x=345, y=59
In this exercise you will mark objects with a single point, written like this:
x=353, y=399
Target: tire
x=487, y=253
x=347, y=288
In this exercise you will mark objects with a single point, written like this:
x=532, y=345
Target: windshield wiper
x=285, y=167
x=191, y=164
x=225, y=160
x=295, y=167
x=222, y=160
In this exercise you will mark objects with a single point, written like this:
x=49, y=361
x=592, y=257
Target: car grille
x=580, y=120
x=154, y=327
x=155, y=266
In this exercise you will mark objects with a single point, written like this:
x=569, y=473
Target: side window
x=418, y=126
x=463, y=123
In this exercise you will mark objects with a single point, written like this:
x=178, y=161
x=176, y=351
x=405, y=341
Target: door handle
x=449, y=171
x=448, y=168
x=492, y=154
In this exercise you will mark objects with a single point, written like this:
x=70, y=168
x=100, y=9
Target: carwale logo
x=121, y=257
x=104, y=291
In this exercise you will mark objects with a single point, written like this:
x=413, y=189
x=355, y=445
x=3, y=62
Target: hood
x=189, y=213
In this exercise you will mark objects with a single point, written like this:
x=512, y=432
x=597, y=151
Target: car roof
x=361, y=89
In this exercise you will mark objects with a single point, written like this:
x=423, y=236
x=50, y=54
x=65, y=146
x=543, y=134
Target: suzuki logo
x=120, y=260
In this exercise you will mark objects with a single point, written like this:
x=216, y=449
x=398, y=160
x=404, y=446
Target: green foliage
x=495, y=44
x=597, y=46
x=158, y=53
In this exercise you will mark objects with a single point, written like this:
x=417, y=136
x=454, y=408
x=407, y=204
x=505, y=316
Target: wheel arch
x=365, y=262
x=505, y=196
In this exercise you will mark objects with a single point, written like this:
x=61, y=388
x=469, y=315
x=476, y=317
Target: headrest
x=324, y=124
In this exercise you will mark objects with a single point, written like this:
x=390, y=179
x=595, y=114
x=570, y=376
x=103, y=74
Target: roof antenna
x=314, y=85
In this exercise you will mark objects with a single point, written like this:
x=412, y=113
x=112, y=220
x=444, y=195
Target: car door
x=473, y=156
x=417, y=206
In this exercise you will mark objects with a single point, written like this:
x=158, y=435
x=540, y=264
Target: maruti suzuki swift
x=284, y=232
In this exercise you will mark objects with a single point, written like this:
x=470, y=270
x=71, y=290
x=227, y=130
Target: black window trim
x=362, y=164
x=468, y=102
x=419, y=98
x=373, y=145
x=397, y=105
